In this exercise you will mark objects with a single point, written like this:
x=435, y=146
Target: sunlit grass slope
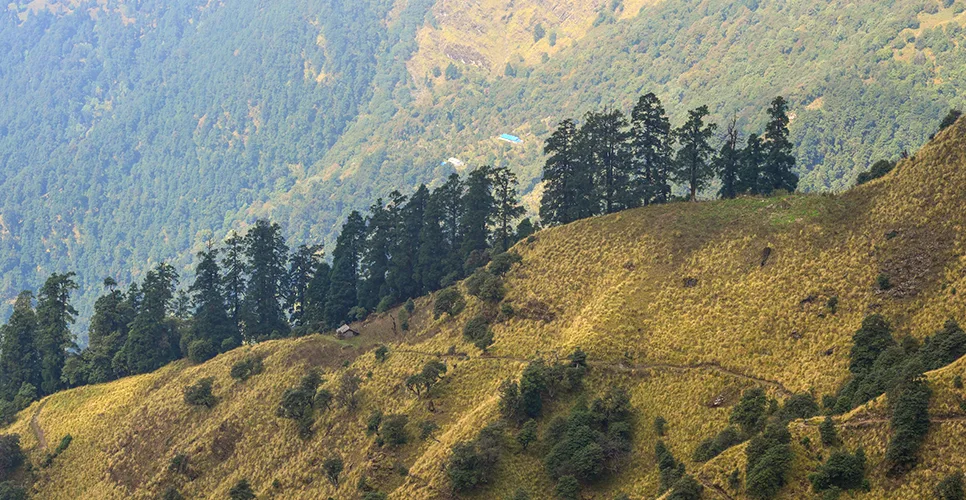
x=683, y=305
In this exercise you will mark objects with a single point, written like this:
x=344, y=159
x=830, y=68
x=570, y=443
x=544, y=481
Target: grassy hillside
x=613, y=286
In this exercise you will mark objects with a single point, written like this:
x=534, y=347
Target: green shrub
x=799, y=406
x=333, y=468
x=201, y=350
x=878, y=169
x=171, y=493
x=670, y=470
x=241, y=491
x=8, y=412
x=710, y=448
x=64, y=444
x=950, y=119
x=828, y=433
x=26, y=395
x=477, y=330
x=11, y=456
x=450, y=301
x=199, y=393
x=393, y=430
x=381, y=353
x=179, y=464
x=502, y=262
x=527, y=434
x=567, y=488
x=749, y=414
x=842, y=470
x=660, y=425
x=374, y=495
x=910, y=424
x=951, y=487
x=958, y=381
x=883, y=282
x=769, y=459
x=426, y=429
x=686, y=488
x=246, y=368
x=471, y=464
x=578, y=448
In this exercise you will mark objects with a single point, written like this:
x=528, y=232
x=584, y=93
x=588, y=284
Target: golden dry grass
x=616, y=287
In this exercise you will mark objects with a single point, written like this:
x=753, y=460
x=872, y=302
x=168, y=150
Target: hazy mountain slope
x=615, y=287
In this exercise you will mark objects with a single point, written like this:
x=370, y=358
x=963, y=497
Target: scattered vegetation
x=246, y=368
x=471, y=464
x=199, y=393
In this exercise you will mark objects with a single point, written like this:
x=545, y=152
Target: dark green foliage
x=53, y=338
x=477, y=330
x=878, y=169
x=798, y=406
x=241, y=491
x=449, y=301
x=710, y=448
x=568, y=184
x=179, y=464
x=769, y=458
x=842, y=470
x=910, y=424
x=11, y=456
x=660, y=426
x=534, y=383
x=211, y=325
x=832, y=304
x=8, y=412
x=19, y=357
x=471, y=464
x=604, y=149
x=201, y=350
x=506, y=207
x=943, y=347
x=669, y=468
x=426, y=429
x=567, y=488
x=651, y=148
x=344, y=281
x=727, y=165
x=486, y=286
x=501, y=262
x=332, y=467
x=527, y=434
x=871, y=340
x=12, y=491
x=538, y=32
x=749, y=414
x=381, y=353
x=25, y=396
x=692, y=165
x=298, y=404
x=779, y=162
x=392, y=430
x=452, y=73
x=734, y=479
x=199, y=393
x=152, y=340
x=267, y=256
x=951, y=487
x=373, y=422
x=374, y=495
x=172, y=493
x=883, y=282
x=64, y=444
x=827, y=430
x=950, y=119
x=247, y=367
x=686, y=488
x=347, y=394
x=958, y=381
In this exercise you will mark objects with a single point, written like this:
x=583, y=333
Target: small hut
x=345, y=331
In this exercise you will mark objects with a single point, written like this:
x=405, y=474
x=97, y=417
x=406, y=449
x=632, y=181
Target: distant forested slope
x=132, y=132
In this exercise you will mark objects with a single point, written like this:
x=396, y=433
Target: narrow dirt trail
x=35, y=427
x=635, y=369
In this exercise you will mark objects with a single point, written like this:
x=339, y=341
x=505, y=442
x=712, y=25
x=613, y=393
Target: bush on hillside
x=951, y=487
x=12, y=491
x=201, y=350
x=472, y=463
x=878, y=169
x=333, y=468
x=910, y=424
x=842, y=470
x=449, y=301
x=11, y=456
x=686, y=488
x=769, y=458
x=749, y=414
x=712, y=447
x=298, y=404
x=392, y=430
x=502, y=262
x=669, y=469
x=241, y=491
x=477, y=330
x=247, y=367
x=827, y=430
x=199, y=393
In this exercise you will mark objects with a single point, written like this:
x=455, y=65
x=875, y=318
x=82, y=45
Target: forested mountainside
x=758, y=347
x=133, y=132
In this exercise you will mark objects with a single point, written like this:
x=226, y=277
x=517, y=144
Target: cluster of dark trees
x=610, y=163
x=254, y=288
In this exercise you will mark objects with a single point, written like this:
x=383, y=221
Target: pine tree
x=693, y=161
x=316, y=296
x=344, y=282
x=604, y=146
x=651, y=144
x=779, y=161
x=728, y=162
x=106, y=334
x=430, y=257
x=478, y=206
x=303, y=265
x=506, y=207
x=752, y=158
x=152, y=340
x=54, y=338
x=567, y=181
x=404, y=249
x=234, y=267
x=210, y=323
x=267, y=254
x=449, y=200
x=19, y=358
x=374, y=263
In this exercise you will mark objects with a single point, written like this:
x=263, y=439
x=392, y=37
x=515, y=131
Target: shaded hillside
x=134, y=132
x=678, y=304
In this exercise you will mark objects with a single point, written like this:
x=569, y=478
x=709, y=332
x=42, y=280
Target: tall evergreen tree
x=431, y=256
x=54, y=317
x=402, y=279
x=779, y=160
x=728, y=162
x=693, y=161
x=210, y=322
x=316, y=295
x=651, y=146
x=235, y=269
x=106, y=334
x=344, y=282
x=506, y=205
x=568, y=185
x=478, y=206
x=751, y=159
x=302, y=269
x=605, y=148
x=152, y=340
x=449, y=200
x=374, y=263
x=267, y=254
x=19, y=358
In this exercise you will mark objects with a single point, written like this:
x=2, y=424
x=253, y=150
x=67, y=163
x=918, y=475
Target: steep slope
x=613, y=285
x=134, y=132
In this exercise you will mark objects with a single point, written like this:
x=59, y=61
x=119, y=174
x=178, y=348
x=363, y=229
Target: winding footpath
x=35, y=427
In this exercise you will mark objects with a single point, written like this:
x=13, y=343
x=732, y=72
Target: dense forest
x=134, y=133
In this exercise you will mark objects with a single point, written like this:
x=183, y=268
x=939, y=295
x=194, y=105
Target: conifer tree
x=506, y=205
x=404, y=249
x=54, y=317
x=693, y=161
x=752, y=158
x=651, y=144
x=728, y=162
x=106, y=334
x=267, y=254
x=343, y=283
x=302, y=269
x=19, y=358
x=234, y=267
x=210, y=322
x=316, y=296
x=779, y=161
x=449, y=200
x=152, y=340
x=478, y=206
x=604, y=148
x=430, y=257
x=567, y=181
x=374, y=263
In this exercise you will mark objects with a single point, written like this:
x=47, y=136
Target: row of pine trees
x=611, y=163
x=254, y=288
